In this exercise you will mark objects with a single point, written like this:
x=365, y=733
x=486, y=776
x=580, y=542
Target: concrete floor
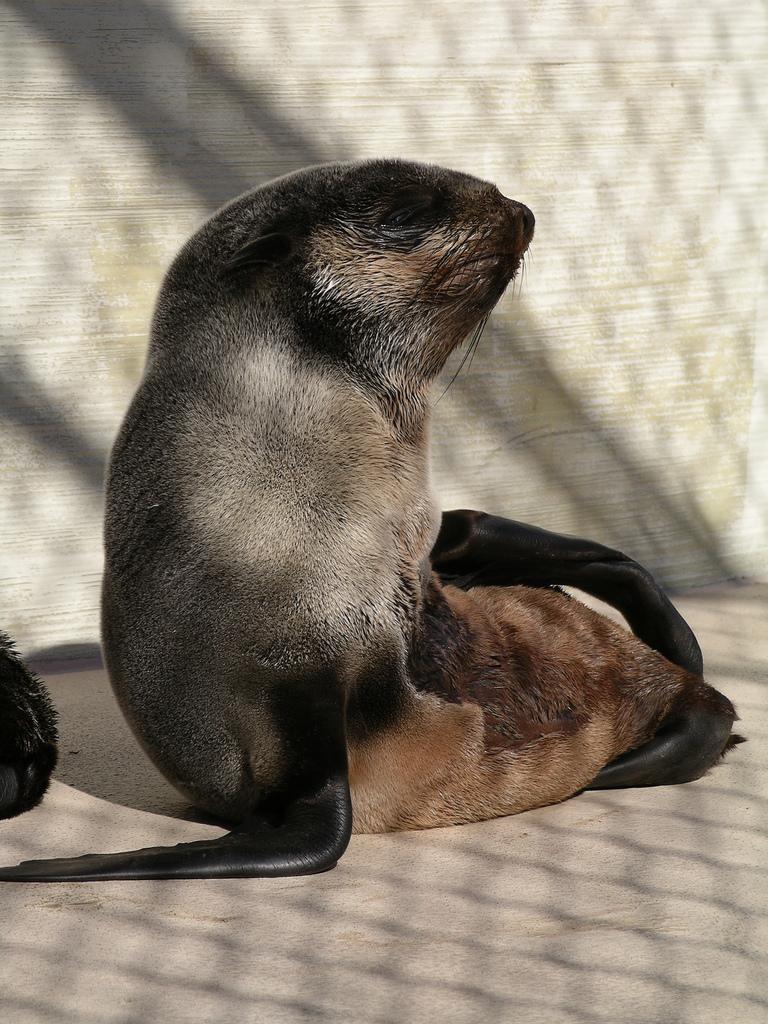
x=632, y=906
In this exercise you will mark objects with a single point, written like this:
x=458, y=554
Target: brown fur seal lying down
x=302, y=644
x=524, y=695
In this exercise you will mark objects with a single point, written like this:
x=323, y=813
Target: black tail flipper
x=28, y=734
x=310, y=838
x=477, y=549
x=693, y=738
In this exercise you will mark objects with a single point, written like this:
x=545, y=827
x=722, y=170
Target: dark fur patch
x=540, y=664
x=28, y=734
x=464, y=661
x=733, y=741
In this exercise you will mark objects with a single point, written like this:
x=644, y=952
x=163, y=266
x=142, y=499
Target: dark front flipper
x=477, y=549
x=28, y=734
x=300, y=827
x=312, y=835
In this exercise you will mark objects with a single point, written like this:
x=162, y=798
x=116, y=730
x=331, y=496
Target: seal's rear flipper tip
x=693, y=739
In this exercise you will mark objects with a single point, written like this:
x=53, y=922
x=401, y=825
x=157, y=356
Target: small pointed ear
x=265, y=251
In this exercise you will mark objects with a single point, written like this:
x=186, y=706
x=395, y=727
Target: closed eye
x=408, y=213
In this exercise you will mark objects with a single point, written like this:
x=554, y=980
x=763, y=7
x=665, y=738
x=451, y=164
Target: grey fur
x=269, y=509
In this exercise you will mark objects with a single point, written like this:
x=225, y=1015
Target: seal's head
x=383, y=264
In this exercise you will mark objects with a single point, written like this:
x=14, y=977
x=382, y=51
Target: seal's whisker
x=446, y=259
x=473, y=235
x=476, y=342
x=473, y=343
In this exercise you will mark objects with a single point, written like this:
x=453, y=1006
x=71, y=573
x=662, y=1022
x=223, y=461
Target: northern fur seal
x=279, y=621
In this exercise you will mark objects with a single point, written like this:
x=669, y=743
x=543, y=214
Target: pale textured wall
x=617, y=395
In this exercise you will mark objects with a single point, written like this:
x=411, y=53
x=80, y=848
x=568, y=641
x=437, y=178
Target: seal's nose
x=522, y=223
x=529, y=222
x=518, y=222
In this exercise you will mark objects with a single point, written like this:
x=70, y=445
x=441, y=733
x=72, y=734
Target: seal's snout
x=529, y=222
x=522, y=223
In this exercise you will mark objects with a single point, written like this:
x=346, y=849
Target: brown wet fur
x=522, y=696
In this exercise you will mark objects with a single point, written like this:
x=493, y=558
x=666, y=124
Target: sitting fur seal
x=300, y=642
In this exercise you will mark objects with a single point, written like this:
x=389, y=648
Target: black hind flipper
x=312, y=835
x=691, y=740
x=477, y=549
x=28, y=735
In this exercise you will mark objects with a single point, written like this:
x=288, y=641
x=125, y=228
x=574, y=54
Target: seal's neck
x=403, y=401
